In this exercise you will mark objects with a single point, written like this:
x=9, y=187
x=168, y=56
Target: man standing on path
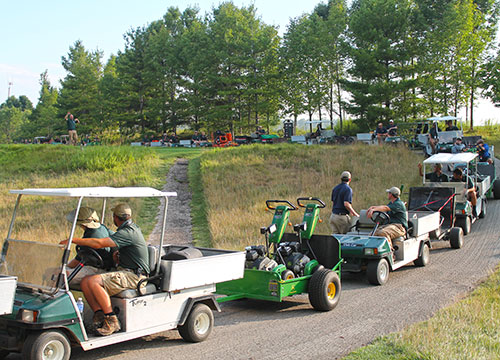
x=342, y=210
x=71, y=123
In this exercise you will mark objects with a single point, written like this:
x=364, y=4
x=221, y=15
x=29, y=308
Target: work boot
x=98, y=319
x=110, y=325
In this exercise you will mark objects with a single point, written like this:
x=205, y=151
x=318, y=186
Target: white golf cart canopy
x=447, y=158
x=444, y=118
x=99, y=192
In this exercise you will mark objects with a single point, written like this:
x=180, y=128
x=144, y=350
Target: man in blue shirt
x=342, y=210
x=484, y=151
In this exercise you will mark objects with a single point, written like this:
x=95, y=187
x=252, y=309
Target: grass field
x=41, y=166
x=238, y=181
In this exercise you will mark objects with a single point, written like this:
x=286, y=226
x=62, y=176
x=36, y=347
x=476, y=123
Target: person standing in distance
x=71, y=124
x=342, y=209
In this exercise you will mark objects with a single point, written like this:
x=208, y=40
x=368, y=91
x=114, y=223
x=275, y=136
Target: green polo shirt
x=132, y=246
x=398, y=213
x=106, y=253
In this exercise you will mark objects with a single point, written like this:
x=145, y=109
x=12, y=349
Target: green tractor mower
x=290, y=263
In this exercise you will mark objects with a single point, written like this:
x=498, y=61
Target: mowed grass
x=46, y=166
x=238, y=181
x=469, y=329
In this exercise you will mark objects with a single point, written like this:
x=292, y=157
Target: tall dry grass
x=238, y=181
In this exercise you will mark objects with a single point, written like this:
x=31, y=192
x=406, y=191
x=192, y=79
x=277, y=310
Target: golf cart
x=290, y=263
x=468, y=162
x=43, y=319
x=362, y=251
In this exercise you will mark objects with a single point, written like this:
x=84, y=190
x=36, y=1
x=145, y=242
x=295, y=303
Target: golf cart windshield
x=36, y=265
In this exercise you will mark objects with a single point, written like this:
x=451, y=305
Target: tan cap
x=346, y=175
x=86, y=217
x=122, y=210
x=394, y=191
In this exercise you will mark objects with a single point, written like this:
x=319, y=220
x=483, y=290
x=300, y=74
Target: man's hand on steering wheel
x=380, y=217
x=89, y=256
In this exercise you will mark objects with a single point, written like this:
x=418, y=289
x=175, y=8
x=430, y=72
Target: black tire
x=324, y=290
x=198, y=325
x=54, y=342
x=496, y=189
x=482, y=214
x=4, y=354
x=287, y=275
x=377, y=272
x=464, y=222
x=424, y=257
x=456, y=237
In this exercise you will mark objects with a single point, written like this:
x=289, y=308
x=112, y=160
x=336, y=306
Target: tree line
x=371, y=61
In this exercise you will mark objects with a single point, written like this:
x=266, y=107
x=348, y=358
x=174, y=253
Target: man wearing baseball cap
x=88, y=220
x=342, y=209
x=133, y=266
x=396, y=210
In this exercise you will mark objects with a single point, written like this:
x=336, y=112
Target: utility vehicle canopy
x=446, y=158
x=100, y=192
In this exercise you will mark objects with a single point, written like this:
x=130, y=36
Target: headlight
x=27, y=315
x=370, y=251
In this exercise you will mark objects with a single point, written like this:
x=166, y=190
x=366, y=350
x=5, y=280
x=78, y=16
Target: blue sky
x=37, y=33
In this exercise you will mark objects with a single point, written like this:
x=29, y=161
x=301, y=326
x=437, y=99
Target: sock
x=110, y=314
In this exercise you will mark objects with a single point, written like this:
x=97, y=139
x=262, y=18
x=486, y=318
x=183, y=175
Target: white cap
x=346, y=175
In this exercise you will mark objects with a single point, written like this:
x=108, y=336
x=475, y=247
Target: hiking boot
x=110, y=325
x=98, y=319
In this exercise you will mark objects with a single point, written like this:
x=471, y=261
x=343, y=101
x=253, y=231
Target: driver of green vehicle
x=396, y=209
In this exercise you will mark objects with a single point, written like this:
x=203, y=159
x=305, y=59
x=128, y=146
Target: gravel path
x=178, y=229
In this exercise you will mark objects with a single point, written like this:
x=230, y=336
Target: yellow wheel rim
x=331, y=290
x=289, y=276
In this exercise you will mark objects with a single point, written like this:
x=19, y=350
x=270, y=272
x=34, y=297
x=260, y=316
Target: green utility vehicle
x=362, y=251
x=290, y=263
x=40, y=317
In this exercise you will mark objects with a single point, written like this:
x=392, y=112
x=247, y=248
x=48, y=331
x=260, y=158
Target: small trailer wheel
x=377, y=272
x=198, y=325
x=47, y=345
x=324, y=290
x=456, y=237
x=496, y=189
x=423, y=259
x=287, y=275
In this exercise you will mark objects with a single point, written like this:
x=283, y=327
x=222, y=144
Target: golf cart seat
x=150, y=288
x=364, y=225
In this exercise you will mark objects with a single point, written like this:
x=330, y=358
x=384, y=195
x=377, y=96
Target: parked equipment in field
x=290, y=263
x=43, y=319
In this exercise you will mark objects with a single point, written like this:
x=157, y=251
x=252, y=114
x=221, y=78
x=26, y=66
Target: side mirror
x=263, y=230
x=272, y=228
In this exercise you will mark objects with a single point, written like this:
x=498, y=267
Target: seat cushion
x=132, y=293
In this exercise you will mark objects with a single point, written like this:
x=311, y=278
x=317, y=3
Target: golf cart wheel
x=4, y=353
x=377, y=272
x=198, y=325
x=464, y=222
x=456, y=237
x=496, y=189
x=48, y=345
x=287, y=275
x=482, y=214
x=324, y=290
x=424, y=257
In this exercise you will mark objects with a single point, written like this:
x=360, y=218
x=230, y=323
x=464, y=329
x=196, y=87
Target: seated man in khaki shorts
x=133, y=266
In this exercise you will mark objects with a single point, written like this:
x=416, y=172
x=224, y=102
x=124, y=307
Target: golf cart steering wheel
x=89, y=256
x=380, y=217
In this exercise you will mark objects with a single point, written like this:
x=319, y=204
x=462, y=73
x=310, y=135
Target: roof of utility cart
x=100, y=192
x=447, y=158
